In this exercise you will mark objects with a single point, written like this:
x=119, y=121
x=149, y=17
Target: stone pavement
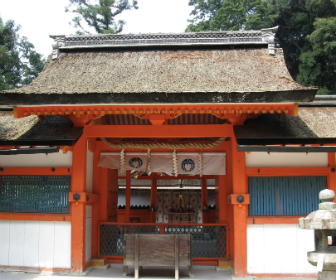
x=115, y=273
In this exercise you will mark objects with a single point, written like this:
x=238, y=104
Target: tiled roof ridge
x=263, y=36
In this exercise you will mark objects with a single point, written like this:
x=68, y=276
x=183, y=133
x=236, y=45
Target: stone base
x=327, y=275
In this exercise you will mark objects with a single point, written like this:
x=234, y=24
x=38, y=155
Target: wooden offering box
x=157, y=250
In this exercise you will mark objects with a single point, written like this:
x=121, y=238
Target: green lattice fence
x=209, y=241
x=112, y=237
x=35, y=194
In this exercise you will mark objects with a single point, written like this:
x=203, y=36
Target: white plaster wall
x=138, y=197
x=37, y=160
x=279, y=249
x=88, y=232
x=262, y=159
x=89, y=171
x=35, y=244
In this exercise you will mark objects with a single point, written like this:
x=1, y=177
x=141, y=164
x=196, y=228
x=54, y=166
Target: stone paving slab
x=115, y=273
x=157, y=273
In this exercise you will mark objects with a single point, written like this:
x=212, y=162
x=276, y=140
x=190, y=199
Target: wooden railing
x=210, y=241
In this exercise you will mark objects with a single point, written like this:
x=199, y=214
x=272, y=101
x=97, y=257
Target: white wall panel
x=288, y=250
x=37, y=160
x=62, y=252
x=271, y=247
x=263, y=159
x=89, y=171
x=305, y=244
x=46, y=244
x=255, y=256
x=16, y=241
x=31, y=243
x=279, y=249
x=35, y=244
x=4, y=242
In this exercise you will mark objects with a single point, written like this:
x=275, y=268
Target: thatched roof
x=313, y=125
x=244, y=70
x=12, y=129
x=208, y=67
x=53, y=130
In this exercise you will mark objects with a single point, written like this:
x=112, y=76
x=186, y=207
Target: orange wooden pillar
x=239, y=185
x=332, y=174
x=128, y=197
x=78, y=185
x=204, y=193
x=97, y=207
x=153, y=200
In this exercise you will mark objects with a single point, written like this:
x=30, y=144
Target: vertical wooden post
x=332, y=174
x=136, y=259
x=96, y=208
x=112, y=195
x=176, y=258
x=221, y=205
x=239, y=183
x=78, y=184
x=153, y=199
x=204, y=183
x=103, y=194
x=128, y=197
x=190, y=268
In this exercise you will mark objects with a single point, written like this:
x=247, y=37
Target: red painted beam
x=36, y=171
x=158, y=131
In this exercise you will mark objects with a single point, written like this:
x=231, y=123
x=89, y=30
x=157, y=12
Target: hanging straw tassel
x=149, y=171
x=200, y=164
x=122, y=161
x=175, y=163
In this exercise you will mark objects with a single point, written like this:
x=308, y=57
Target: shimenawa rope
x=172, y=146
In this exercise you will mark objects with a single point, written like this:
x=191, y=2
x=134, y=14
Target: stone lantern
x=323, y=222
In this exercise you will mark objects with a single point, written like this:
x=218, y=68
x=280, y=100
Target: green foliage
x=100, y=16
x=296, y=22
x=19, y=62
x=217, y=15
x=318, y=65
x=306, y=31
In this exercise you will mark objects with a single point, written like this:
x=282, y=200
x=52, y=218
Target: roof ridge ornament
x=268, y=35
x=214, y=38
x=59, y=42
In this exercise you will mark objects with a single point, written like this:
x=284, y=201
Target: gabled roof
x=313, y=125
x=28, y=131
x=207, y=67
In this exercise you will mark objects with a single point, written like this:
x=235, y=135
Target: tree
x=318, y=66
x=19, y=62
x=217, y=15
x=100, y=16
x=296, y=22
x=295, y=35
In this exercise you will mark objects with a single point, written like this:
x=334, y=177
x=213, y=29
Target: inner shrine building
x=201, y=133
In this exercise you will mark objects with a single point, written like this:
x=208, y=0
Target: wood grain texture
x=158, y=250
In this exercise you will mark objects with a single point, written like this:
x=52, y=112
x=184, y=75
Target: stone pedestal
x=323, y=221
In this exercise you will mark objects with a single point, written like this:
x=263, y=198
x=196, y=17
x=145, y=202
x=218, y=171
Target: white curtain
x=162, y=162
x=187, y=163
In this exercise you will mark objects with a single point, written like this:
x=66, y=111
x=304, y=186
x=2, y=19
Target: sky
x=41, y=18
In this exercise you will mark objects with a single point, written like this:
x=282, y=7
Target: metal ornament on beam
x=170, y=111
